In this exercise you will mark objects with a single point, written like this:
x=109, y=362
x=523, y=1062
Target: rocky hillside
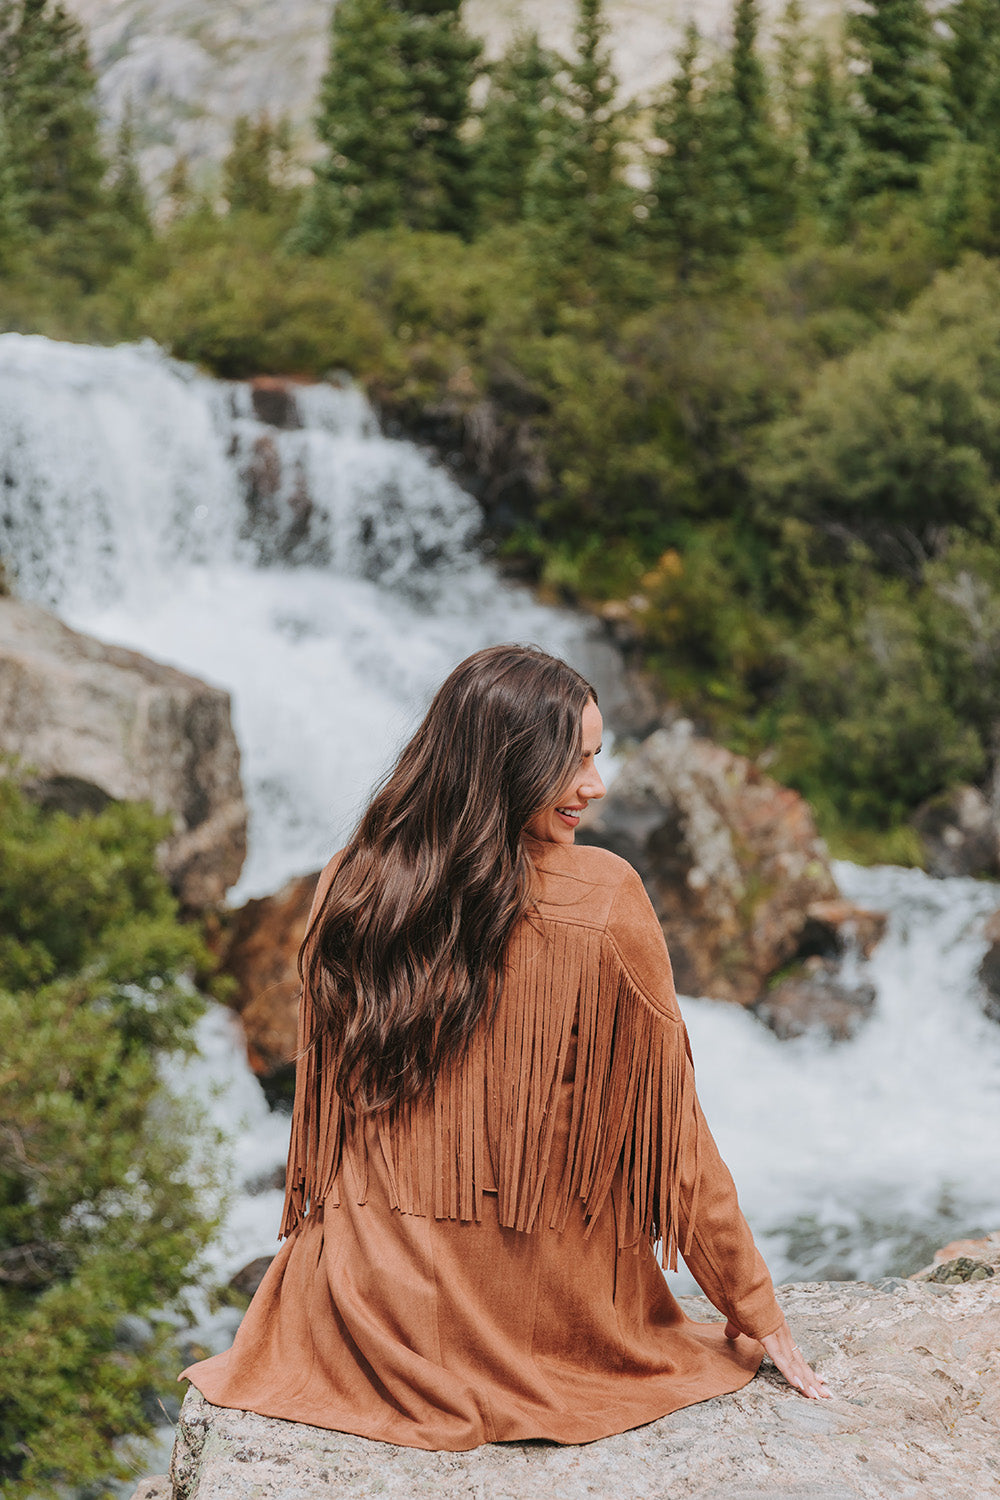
x=191, y=69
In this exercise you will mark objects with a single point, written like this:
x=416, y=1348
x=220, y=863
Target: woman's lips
x=569, y=815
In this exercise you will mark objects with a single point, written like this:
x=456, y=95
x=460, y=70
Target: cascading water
x=325, y=575
x=329, y=578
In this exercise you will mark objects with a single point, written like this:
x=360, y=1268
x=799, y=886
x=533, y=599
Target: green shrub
x=864, y=721
x=900, y=440
x=101, y=1198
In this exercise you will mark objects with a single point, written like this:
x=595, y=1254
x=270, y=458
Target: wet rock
x=839, y=927
x=989, y=969
x=267, y=1182
x=731, y=860
x=961, y=1270
x=261, y=954
x=279, y=507
x=90, y=722
x=959, y=833
x=915, y=1372
x=248, y=1279
x=816, y=1000
x=274, y=402
x=958, y=1261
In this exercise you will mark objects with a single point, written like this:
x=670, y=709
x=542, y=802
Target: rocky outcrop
x=839, y=927
x=88, y=722
x=732, y=860
x=261, y=953
x=960, y=833
x=963, y=1261
x=816, y=1000
x=915, y=1371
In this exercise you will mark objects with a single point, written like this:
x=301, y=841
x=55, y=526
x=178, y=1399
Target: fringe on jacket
x=490, y=1121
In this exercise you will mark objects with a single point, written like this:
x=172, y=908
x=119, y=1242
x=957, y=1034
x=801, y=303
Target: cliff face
x=191, y=69
x=915, y=1371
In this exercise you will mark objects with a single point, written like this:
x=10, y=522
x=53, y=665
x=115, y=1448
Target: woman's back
x=478, y=1264
x=495, y=1116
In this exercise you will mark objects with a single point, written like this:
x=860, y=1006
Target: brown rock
x=261, y=954
x=957, y=1262
x=248, y=1279
x=915, y=1376
x=837, y=927
x=732, y=860
x=959, y=833
x=816, y=1000
x=279, y=507
x=91, y=722
x=274, y=401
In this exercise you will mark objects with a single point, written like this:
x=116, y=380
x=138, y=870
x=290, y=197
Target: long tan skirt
x=444, y=1335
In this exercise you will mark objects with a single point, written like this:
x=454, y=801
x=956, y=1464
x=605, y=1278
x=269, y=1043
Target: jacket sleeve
x=714, y=1237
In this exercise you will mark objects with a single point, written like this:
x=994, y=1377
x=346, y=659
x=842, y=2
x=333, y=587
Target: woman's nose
x=592, y=787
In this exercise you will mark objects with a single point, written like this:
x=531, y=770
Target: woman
x=495, y=1118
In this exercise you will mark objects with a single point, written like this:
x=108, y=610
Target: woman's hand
x=787, y=1355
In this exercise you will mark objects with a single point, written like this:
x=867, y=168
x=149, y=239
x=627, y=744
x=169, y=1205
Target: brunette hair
x=406, y=953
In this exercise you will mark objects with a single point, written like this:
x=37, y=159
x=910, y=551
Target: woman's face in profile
x=556, y=823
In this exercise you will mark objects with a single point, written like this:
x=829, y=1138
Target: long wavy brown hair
x=406, y=953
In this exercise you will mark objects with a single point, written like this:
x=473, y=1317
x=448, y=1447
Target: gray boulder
x=914, y=1368
x=86, y=722
x=960, y=833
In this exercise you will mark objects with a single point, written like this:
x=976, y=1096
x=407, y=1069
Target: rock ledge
x=915, y=1369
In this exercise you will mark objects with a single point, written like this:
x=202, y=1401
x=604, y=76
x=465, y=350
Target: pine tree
x=971, y=53
x=48, y=100
x=790, y=67
x=393, y=106
x=689, y=200
x=178, y=191
x=749, y=79
x=255, y=171
x=757, y=162
x=126, y=194
x=577, y=186
x=900, y=117
x=828, y=130
x=520, y=113
x=442, y=61
x=13, y=228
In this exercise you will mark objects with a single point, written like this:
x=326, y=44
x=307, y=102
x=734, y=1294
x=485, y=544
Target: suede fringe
x=492, y=1118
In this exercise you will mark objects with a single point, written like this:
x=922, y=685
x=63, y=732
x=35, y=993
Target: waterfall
x=270, y=539
x=325, y=575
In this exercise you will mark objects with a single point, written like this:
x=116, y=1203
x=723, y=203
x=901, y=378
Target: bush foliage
x=101, y=1215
